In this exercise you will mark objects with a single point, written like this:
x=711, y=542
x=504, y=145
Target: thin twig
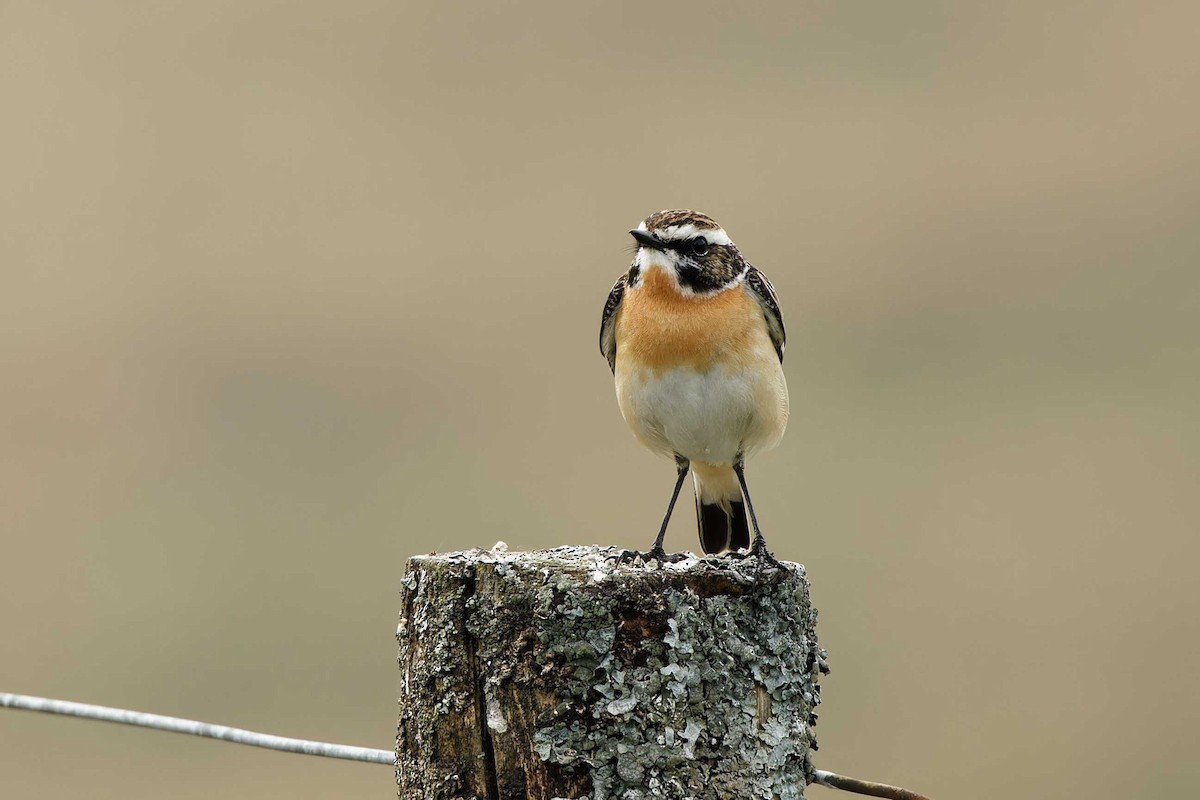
x=195, y=728
x=835, y=781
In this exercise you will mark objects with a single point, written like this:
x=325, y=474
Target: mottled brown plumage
x=679, y=216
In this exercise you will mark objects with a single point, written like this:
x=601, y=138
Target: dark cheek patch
x=699, y=280
x=716, y=270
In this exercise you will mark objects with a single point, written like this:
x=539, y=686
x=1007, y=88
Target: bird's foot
x=653, y=554
x=758, y=550
x=659, y=554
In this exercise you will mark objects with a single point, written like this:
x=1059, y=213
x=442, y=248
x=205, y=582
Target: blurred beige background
x=293, y=291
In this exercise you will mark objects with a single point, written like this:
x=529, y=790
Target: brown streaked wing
x=608, y=334
x=762, y=291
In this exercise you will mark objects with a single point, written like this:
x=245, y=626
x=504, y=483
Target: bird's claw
x=653, y=554
x=662, y=556
x=759, y=550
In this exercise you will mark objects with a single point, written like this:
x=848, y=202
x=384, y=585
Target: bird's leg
x=759, y=546
x=682, y=465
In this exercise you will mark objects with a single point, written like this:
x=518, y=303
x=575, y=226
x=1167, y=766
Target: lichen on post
x=566, y=673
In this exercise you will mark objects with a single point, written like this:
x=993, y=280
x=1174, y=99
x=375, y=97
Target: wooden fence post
x=564, y=674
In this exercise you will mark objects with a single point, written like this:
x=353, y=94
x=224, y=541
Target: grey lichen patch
x=438, y=697
x=689, y=680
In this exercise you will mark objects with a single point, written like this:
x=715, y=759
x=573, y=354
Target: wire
x=196, y=728
x=326, y=749
x=848, y=784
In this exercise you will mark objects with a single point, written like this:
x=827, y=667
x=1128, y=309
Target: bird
x=694, y=337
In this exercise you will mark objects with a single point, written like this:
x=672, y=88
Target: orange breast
x=658, y=328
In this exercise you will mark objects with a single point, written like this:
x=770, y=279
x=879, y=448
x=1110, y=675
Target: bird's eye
x=699, y=246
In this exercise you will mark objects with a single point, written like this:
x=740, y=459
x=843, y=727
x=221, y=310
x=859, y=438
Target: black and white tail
x=720, y=512
x=721, y=530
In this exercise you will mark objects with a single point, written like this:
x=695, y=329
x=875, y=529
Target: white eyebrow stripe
x=690, y=231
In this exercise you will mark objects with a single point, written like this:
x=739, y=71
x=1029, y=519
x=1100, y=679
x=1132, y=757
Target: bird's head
x=690, y=248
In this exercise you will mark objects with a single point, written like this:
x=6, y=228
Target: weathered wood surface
x=564, y=674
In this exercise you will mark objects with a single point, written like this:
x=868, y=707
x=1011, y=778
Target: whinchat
x=695, y=339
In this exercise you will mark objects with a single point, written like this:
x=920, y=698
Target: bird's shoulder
x=760, y=289
x=608, y=337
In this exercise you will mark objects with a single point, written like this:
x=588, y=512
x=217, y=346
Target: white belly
x=710, y=417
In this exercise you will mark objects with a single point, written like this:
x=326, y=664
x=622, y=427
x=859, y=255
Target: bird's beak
x=647, y=239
